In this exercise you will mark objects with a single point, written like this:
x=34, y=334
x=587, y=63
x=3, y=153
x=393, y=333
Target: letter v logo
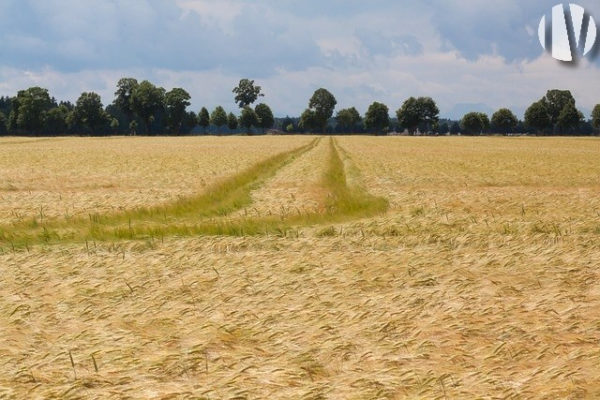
x=570, y=33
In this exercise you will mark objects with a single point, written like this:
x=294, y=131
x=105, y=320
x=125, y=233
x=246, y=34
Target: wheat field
x=351, y=268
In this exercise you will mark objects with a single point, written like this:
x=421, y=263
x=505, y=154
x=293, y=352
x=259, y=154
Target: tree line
x=142, y=108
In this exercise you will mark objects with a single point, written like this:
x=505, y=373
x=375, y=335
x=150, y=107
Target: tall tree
x=443, y=128
x=265, y=116
x=555, y=101
x=3, y=124
x=218, y=117
x=504, y=121
x=124, y=96
x=596, y=117
x=204, y=119
x=537, y=116
x=232, y=122
x=56, y=120
x=176, y=102
x=415, y=112
x=455, y=128
x=348, y=119
x=322, y=103
x=485, y=122
x=89, y=114
x=569, y=119
x=248, y=119
x=29, y=110
x=377, y=118
x=474, y=123
x=189, y=122
x=246, y=93
x=147, y=101
x=308, y=121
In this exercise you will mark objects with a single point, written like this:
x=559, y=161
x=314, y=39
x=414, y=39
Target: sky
x=467, y=55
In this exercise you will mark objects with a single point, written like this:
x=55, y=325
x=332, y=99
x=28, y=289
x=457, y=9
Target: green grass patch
x=203, y=215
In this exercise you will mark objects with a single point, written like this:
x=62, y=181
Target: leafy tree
x=596, y=117
x=443, y=128
x=5, y=105
x=415, y=112
x=377, y=118
x=147, y=101
x=308, y=121
x=189, y=122
x=265, y=116
x=289, y=128
x=248, y=119
x=569, y=119
x=124, y=96
x=204, y=118
x=232, y=122
x=348, y=119
x=176, y=102
x=3, y=128
x=455, y=128
x=56, y=120
x=89, y=113
x=485, y=122
x=322, y=104
x=246, y=93
x=585, y=128
x=474, y=123
x=537, y=116
x=29, y=110
x=218, y=117
x=555, y=101
x=504, y=121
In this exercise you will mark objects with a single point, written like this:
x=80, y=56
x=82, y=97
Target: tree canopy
x=264, y=116
x=246, y=93
x=144, y=108
x=176, y=103
x=322, y=104
x=377, y=118
x=204, y=118
x=416, y=112
x=596, y=117
x=504, y=121
x=348, y=119
x=147, y=100
x=89, y=115
x=474, y=123
x=218, y=117
x=248, y=119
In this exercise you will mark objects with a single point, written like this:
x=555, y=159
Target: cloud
x=459, y=52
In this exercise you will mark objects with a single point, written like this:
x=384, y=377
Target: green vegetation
x=415, y=113
x=377, y=118
x=206, y=214
x=146, y=109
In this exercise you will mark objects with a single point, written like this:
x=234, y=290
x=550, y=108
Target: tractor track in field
x=210, y=213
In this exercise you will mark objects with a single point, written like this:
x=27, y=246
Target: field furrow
x=296, y=189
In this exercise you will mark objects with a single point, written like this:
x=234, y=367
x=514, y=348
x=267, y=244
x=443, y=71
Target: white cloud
x=456, y=52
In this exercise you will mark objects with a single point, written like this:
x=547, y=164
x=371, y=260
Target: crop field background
x=300, y=267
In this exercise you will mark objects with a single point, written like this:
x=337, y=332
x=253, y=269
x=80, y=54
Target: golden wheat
x=481, y=281
x=65, y=178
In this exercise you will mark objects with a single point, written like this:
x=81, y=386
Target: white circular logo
x=570, y=33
